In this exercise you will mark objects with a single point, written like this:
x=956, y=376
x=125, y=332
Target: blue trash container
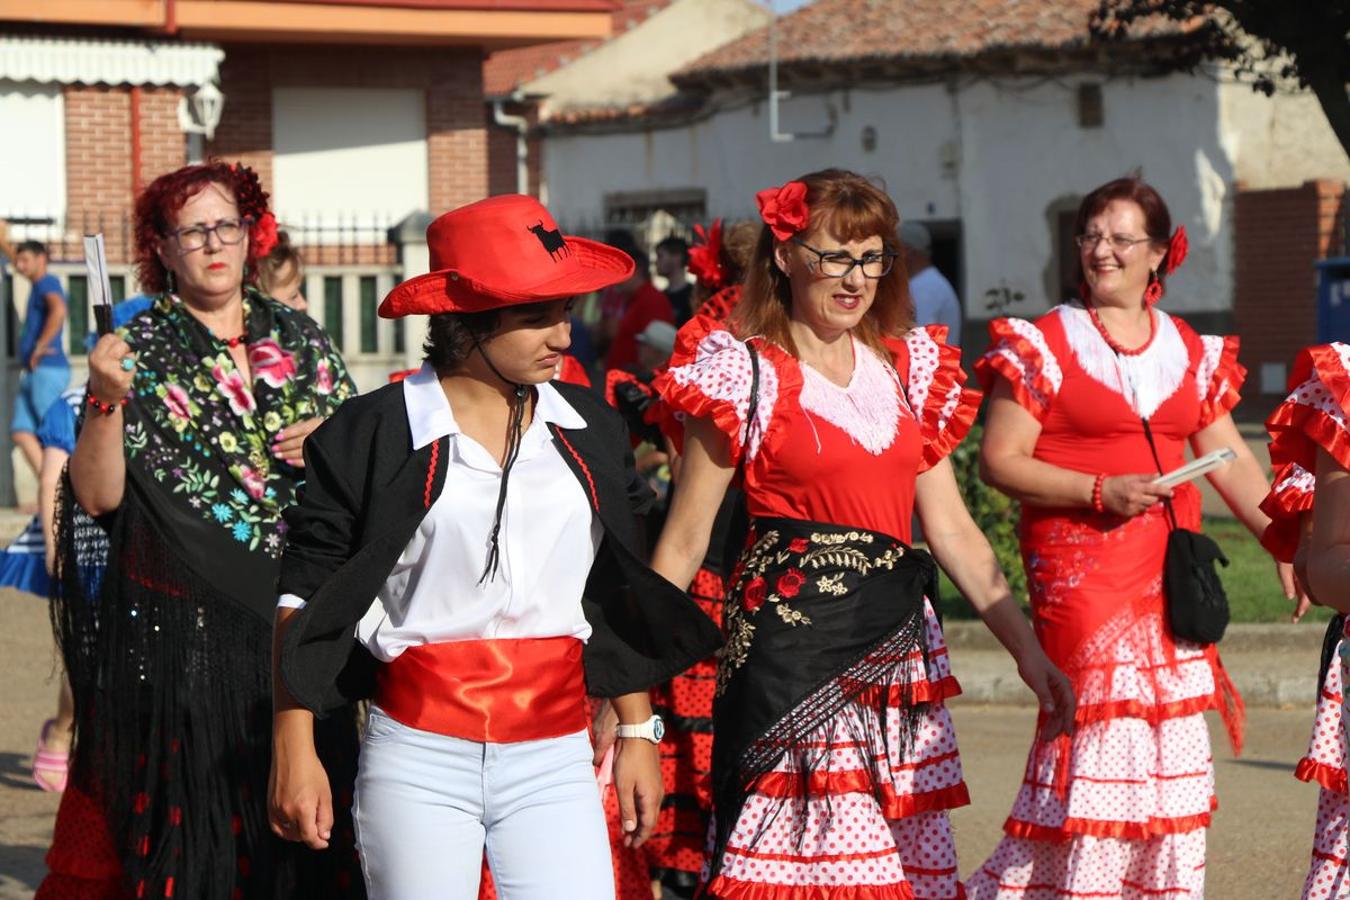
x=1333, y=299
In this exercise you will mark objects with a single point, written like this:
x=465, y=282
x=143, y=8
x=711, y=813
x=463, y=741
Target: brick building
x=359, y=115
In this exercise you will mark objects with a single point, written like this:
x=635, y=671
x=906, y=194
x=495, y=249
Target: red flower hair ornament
x=1177, y=249
x=783, y=209
x=262, y=237
x=705, y=259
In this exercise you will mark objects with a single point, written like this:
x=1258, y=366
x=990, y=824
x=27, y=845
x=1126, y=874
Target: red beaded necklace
x=1112, y=342
x=236, y=341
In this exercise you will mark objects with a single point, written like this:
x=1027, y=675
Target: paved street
x=1259, y=844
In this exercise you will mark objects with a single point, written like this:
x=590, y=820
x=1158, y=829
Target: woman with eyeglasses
x=834, y=759
x=190, y=450
x=1080, y=400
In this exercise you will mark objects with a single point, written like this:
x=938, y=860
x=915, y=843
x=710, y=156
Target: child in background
x=281, y=274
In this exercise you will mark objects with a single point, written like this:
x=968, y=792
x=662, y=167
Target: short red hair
x=1131, y=189
x=853, y=208
x=165, y=196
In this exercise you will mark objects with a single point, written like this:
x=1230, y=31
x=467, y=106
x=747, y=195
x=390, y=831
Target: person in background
x=613, y=300
x=644, y=305
x=281, y=274
x=935, y=300
x=46, y=371
x=672, y=264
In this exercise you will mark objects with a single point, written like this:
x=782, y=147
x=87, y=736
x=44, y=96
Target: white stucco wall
x=1279, y=141
x=730, y=155
x=633, y=67
x=348, y=155
x=1022, y=151
x=998, y=156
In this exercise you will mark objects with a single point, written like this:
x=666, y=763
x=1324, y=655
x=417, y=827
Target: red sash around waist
x=497, y=691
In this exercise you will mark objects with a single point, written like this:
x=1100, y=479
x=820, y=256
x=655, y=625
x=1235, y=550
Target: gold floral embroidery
x=832, y=584
x=844, y=550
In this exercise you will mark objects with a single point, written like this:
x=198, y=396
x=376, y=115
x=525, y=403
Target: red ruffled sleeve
x=709, y=377
x=935, y=387
x=1317, y=412
x=1218, y=377
x=1018, y=352
x=1288, y=500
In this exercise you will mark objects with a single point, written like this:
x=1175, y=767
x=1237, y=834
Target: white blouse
x=549, y=538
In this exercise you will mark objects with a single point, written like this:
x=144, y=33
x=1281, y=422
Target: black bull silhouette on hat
x=552, y=240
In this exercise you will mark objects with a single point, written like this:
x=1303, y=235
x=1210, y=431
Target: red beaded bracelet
x=1097, y=504
x=106, y=408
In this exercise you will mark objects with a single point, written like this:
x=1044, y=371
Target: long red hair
x=851, y=208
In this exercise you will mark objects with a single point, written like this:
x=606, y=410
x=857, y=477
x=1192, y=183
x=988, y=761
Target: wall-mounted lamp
x=201, y=114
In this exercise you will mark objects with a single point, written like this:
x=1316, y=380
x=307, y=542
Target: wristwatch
x=652, y=730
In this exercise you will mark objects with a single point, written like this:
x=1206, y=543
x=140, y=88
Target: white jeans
x=426, y=804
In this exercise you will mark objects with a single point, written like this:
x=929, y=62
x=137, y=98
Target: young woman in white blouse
x=437, y=562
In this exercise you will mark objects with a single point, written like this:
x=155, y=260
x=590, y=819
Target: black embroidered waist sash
x=819, y=616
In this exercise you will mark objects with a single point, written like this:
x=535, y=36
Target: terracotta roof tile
x=506, y=70
x=838, y=31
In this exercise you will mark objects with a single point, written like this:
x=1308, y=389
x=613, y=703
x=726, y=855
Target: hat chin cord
x=513, y=437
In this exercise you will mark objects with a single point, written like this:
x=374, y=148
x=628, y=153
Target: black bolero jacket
x=365, y=494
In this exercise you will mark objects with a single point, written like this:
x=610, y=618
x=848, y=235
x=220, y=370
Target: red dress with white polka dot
x=876, y=828
x=1316, y=415
x=1120, y=809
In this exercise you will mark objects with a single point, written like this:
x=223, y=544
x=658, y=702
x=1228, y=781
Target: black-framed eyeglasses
x=838, y=264
x=195, y=237
x=1121, y=243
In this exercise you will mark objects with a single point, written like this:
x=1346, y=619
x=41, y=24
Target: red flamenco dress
x=1120, y=809
x=869, y=820
x=1317, y=415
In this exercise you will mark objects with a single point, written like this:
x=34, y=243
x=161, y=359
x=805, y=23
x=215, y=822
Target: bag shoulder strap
x=1157, y=461
x=751, y=407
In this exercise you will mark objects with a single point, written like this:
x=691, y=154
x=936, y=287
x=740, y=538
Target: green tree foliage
x=993, y=511
x=1307, y=41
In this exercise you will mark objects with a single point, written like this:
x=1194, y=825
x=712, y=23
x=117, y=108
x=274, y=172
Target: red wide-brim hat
x=504, y=251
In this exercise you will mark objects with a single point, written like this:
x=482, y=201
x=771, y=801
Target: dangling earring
x=1153, y=293
x=170, y=281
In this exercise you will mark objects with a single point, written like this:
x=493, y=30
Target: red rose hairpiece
x=783, y=209
x=252, y=199
x=1177, y=249
x=262, y=237
x=705, y=259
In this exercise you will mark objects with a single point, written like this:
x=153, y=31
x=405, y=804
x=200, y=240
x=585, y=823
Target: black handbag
x=1197, y=607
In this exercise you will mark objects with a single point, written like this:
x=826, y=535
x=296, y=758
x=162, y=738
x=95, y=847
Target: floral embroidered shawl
x=198, y=435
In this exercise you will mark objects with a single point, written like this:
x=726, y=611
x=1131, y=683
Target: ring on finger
x=128, y=364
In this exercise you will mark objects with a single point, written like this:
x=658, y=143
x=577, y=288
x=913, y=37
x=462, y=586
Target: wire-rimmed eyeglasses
x=1121, y=243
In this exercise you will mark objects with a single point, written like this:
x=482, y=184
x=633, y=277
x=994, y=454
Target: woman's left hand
x=1295, y=589
x=1053, y=690
x=288, y=444
x=637, y=781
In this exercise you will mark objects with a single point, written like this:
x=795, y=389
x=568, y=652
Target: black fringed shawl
x=819, y=617
x=169, y=652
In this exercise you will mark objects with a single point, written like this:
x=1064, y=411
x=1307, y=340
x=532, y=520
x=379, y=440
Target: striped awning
x=50, y=60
